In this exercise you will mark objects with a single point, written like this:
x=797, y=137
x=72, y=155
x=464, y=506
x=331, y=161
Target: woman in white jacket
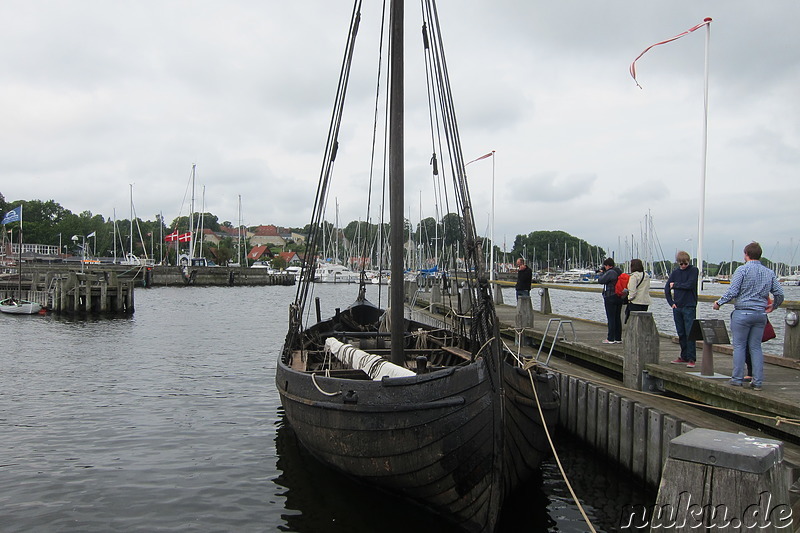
x=638, y=289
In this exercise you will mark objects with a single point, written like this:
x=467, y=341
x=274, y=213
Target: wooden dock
x=72, y=292
x=109, y=289
x=634, y=427
x=779, y=398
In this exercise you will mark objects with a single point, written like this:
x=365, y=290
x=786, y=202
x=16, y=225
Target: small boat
x=15, y=306
x=439, y=413
x=334, y=273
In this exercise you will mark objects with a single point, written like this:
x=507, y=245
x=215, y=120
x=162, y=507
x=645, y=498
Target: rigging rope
x=555, y=453
x=331, y=148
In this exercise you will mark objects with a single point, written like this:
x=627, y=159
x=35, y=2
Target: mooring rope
x=553, y=448
x=421, y=339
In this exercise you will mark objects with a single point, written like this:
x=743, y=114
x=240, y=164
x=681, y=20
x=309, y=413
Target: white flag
x=92, y=234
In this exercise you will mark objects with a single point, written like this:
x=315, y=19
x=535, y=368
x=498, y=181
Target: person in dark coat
x=613, y=303
x=681, y=294
x=524, y=278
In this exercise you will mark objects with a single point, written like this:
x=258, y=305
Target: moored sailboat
x=16, y=305
x=444, y=416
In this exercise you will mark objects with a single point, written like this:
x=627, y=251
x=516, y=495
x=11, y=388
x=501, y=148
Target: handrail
x=595, y=287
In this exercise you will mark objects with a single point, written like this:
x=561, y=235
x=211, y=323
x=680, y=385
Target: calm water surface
x=169, y=421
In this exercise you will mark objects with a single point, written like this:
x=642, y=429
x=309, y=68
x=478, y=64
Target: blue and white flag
x=92, y=234
x=15, y=215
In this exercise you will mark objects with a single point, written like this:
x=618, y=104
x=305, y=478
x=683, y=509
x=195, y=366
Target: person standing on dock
x=681, y=294
x=524, y=279
x=613, y=303
x=751, y=285
x=638, y=289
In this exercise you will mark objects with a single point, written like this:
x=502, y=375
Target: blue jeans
x=614, y=316
x=747, y=328
x=521, y=292
x=684, y=317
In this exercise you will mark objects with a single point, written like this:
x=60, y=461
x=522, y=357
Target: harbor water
x=169, y=420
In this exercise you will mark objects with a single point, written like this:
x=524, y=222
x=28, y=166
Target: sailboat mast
x=131, y=187
x=191, y=221
x=114, y=235
x=239, y=235
x=203, y=220
x=396, y=172
x=19, y=256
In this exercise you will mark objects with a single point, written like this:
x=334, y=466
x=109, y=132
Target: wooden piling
x=641, y=347
x=524, y=312
x=653, y=455
x=436, y=294
x=497, y=294
x=726, y=481
x=465, y=300
x=614, y=429
x=546, y=306
x=104, y=297
x=791, y=333
x=601, y=432
x=625, y=429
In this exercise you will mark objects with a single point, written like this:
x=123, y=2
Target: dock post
x=546, y=306
x=103, y=296
x=497, y=294
x=411, y=289
x=524, y=312
x=120, y=301
x=713, y=480
x=130, y=305
x=436, y=294
x=640, y=348
x=791, y=333
x=76, y=302
x=465, y=299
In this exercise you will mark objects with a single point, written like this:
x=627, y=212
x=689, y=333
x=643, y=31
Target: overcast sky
x=96, y=95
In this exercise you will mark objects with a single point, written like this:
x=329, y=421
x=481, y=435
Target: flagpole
x=701, y=218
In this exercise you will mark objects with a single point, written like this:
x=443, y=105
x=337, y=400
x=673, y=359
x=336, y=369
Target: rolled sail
x=376, y=367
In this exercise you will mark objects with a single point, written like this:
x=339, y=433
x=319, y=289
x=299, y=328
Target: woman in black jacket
x=613, y=303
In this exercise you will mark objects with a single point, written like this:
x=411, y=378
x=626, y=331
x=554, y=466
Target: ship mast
x=396, y=171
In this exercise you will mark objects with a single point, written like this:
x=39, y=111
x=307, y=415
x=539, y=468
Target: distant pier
x=109, y=289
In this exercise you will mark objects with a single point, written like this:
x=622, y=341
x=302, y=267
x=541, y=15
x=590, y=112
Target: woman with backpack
x=638, y=289
x=613, y=303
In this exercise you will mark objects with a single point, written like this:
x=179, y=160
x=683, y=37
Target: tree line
x=47, y=222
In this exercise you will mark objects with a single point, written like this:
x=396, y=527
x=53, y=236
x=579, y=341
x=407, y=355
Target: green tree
x=278, y=262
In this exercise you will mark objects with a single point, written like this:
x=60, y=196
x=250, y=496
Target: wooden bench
x=458, y=352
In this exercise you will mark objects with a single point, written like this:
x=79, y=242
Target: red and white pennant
x=705, y=22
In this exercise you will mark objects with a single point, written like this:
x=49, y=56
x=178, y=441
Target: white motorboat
x=15, y=306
